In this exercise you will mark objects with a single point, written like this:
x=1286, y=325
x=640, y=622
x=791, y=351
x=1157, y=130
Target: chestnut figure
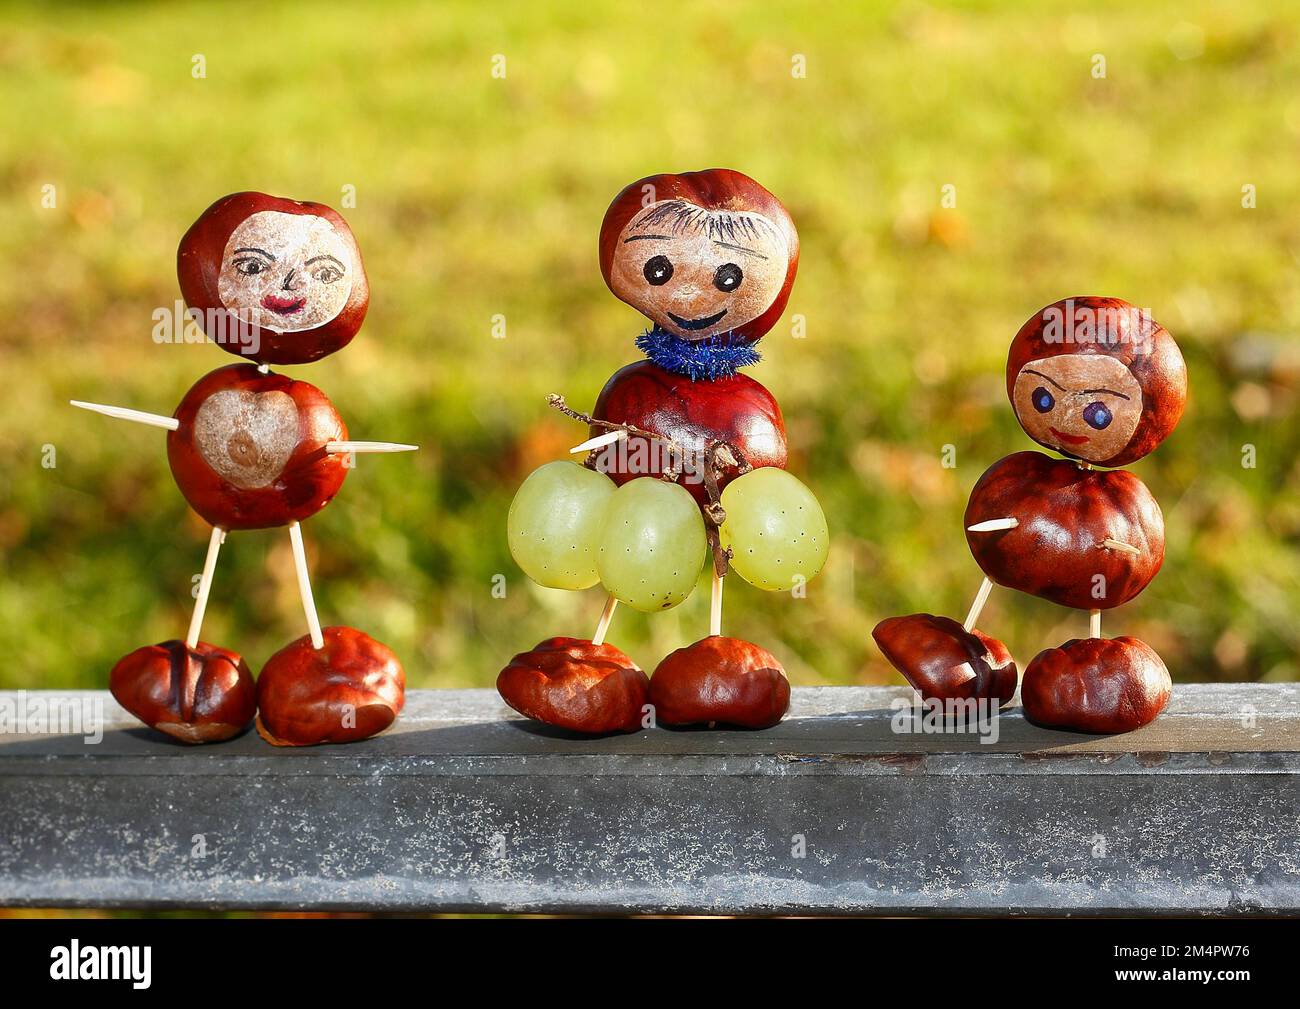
x=577, y=685
x=942, y=659
x=720, y=681
x=734, y=410
x=1096, y=685
x=351, y=687
x=1101, y=382
x=199, y=694
x=251, y=448
x=274, y=281
x=709, y=258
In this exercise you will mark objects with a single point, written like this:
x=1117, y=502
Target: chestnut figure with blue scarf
x=686, y=460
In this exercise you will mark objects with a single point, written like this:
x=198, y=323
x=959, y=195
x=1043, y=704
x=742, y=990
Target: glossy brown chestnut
x=351, y=688
x=736, y=410
x=197, y=695
x=1143, y=358
x=576, y=685
x=1066, y=513
x=730, y=208
x=250, y=449
x=723, y=681
x=1096, y=685
x=273, y=280
x=943, y=660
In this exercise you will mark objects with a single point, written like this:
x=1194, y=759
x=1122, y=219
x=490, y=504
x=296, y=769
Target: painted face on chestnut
x=1084, y=405
x=286, y=272
x=699, y=273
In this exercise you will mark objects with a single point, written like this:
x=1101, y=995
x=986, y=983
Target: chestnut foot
x=723, y=681
x=198, y=695
x=1096, y=685
x=351, y=688
x=577, y=685
x=943, y=660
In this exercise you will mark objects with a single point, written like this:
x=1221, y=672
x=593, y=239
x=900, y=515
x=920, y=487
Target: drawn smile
x=705, y=323
x=283, y=306
x=1069, y=439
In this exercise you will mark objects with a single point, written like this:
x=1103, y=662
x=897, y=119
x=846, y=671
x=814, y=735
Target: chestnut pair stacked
x=273, y=281
x=1103, y=384
x=685, y=464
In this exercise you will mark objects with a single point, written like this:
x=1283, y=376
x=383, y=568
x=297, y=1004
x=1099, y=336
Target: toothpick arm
x=346, y=447
x=122, y=413
x=993, y=525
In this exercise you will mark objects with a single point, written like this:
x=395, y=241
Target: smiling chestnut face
x=699, y=273
x=1084, y=405
x=286, y=272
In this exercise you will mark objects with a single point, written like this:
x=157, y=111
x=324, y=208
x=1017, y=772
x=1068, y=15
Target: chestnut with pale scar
x=1084, y=405
x=699, y=272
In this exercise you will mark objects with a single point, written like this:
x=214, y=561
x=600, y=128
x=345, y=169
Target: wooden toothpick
x=1094, y=623
x=304, y=585
x=205, y=585
x=606, y=615
x=977, y=607
x=1121, y=546
x=993, y=525
x=122, y=413
x=340, y=447
x=715, y=604
x=600, y=441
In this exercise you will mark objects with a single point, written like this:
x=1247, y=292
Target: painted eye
x=328, y=274
x=1043, y=400
x=249, y=267
x=658, y=271
x=728, y=277
x=1097, y=415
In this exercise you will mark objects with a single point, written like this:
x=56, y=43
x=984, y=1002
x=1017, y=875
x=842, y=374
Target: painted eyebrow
x=316, y=259
x=639, y=238
x=260, y=252
x=1081, y=392
x=740, y=248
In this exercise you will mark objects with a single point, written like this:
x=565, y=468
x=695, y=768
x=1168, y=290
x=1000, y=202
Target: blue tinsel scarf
x=709, y=358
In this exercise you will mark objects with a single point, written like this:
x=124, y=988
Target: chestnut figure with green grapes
x=685, y=464
x=273, y=281
x=1103, y=384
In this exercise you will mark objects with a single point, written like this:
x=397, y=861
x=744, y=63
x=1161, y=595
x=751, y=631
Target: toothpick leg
x=1094, y=623
x=715, y=605
x=205, y=585
x=977, y=607
x=606, y=615
x=304, y=585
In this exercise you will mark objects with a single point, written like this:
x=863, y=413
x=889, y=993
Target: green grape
x=775, y=528
x=554, y=524
x=651, y=544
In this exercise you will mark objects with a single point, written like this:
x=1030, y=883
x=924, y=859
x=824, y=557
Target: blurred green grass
x=479, y=197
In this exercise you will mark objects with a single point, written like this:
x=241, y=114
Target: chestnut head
x=1096, y=379
x=701, y=254
x=276, y=281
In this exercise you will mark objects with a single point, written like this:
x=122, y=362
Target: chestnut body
x=197, y=695
x=1066, y=512
x=1096, y=685
x=576, y=685
x=694, y=414
x=942, y=660
x=250, y=449
x=351, y=688
x=720, y=680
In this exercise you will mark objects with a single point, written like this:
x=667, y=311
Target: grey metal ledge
x=463, y=806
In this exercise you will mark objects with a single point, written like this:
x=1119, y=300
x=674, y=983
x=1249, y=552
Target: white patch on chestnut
x=286, y=272
x=247, y=437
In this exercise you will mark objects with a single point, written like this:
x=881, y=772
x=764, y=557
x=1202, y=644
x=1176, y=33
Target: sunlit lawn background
x=478, y=197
